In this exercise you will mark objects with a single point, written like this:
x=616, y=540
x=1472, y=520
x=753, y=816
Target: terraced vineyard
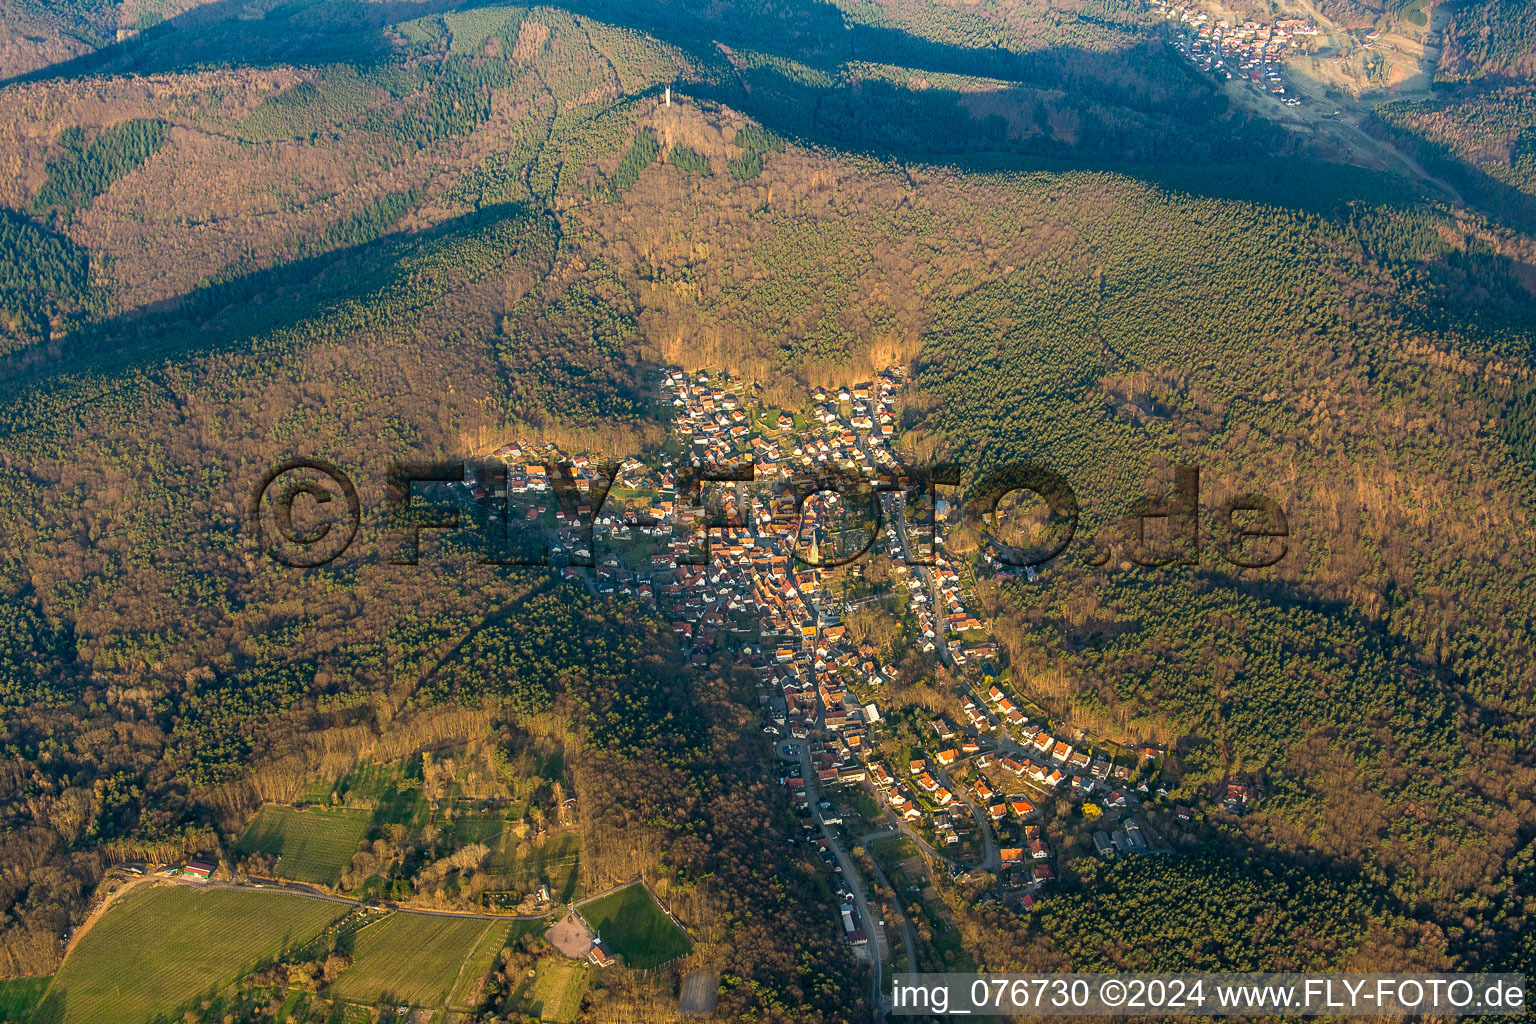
x=466, y=990
x=553, y=992
x=168, y=944
x=311, y=846
x=419, y=960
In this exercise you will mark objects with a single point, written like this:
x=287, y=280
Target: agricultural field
x=633, y=925
x=318, y=793
x=700, y=992
x=311, y=846
x=18, y=996
x=418, y=959
x=466, y=990
x=553, y=992
x=168, y=944
x=398, y=793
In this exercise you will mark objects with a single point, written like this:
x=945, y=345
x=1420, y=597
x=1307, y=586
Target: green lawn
x=291, y=1003
x=478, y=828
x=867, y=806
x=555, y=860
x=311, y=846
x=392, y=791
x=553, y=993
x=319, y=792
x=632, y=924
x=18, y=996
x=163, y=946
x=416, y=958
x=371, y=781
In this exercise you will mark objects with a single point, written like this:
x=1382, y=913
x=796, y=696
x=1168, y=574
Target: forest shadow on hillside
x=245, y=305
x=1138, y=110
x=1497, y=200
x=812, y=32
x=325, y=31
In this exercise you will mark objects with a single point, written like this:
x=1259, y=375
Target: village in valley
x=1297, y=57
x=793, y=548
x=1250, y=50
x=977, y=790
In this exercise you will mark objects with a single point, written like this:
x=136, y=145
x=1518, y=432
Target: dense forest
x=363, y=233
x=1483, y=141
x=43, y=275
x=1489, y=40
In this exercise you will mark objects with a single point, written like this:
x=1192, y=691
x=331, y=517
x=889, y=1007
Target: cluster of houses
x=710, y=578
x=522, y=498
x=753, y=568
x=1253, y=50
x=1048, y=766
x=1043, y=759
x=945, y=619
x=803, y=657
x=871, y=411
x=849, y=424
x=531, y=471
x=714, y=423
x=744, y=581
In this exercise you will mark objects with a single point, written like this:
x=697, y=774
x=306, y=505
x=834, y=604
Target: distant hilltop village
x=1255, y=50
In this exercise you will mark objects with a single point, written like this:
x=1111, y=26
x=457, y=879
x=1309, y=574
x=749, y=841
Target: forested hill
x=365, y=232
x=1487, y=40
x=1085, y=81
